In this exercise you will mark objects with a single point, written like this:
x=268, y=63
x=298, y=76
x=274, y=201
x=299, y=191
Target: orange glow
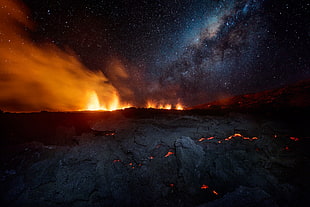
x=169, y=153
x=179, y=107
x=232, y=136
x=214, y=192
x=37, y=77
x=150, y=104
x=158, y=105
x=110, y=105
x=151, y=157
x=168, y=106
x=93, y=103
x=239, y=135
x=204, y=186
x=203, y=138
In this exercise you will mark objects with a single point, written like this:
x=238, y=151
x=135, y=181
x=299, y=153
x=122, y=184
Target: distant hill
x=295, y=96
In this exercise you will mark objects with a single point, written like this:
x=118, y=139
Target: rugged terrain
x=250, y=150
x=139, y=157
x=291, y=97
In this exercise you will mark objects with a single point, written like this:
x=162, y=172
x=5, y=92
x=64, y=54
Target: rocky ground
x=138, y=158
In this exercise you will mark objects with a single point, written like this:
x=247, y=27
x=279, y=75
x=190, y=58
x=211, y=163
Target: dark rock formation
x=294, y=97
x=166, y=159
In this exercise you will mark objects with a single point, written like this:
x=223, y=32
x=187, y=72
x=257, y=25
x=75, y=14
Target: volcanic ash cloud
x=36, y=77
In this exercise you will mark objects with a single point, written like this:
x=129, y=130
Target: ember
x=169, y=153
x=233, y=136
x=214, y=192
x=239, y=135
x=203, y=138
x=204, y=186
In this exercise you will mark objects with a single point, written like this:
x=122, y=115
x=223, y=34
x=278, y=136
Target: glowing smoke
x=42, y=77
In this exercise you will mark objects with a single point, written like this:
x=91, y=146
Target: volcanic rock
x=159, y=159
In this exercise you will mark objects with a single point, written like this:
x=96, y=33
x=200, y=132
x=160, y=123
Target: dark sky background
x=193, y=51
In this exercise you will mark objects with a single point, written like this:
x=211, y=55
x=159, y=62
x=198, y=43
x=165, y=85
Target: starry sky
x=192, y=51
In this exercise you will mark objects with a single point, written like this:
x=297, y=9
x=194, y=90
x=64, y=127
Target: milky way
x=218, y=57
x=191, y=51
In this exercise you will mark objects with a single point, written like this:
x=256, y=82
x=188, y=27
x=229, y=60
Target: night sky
x=193, y=51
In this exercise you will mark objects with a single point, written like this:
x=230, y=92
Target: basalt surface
x=158, y=158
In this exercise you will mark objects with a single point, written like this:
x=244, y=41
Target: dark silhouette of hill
x=292, y=97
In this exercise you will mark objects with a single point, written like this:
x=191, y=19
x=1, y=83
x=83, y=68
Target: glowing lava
x=93, y=103
x=112, y=104
x=204, y=186
x=215, y=193
x=169, y=153
x=160, y=105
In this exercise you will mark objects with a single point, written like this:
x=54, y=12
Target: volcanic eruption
x=40, y=76
x=66, y=69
